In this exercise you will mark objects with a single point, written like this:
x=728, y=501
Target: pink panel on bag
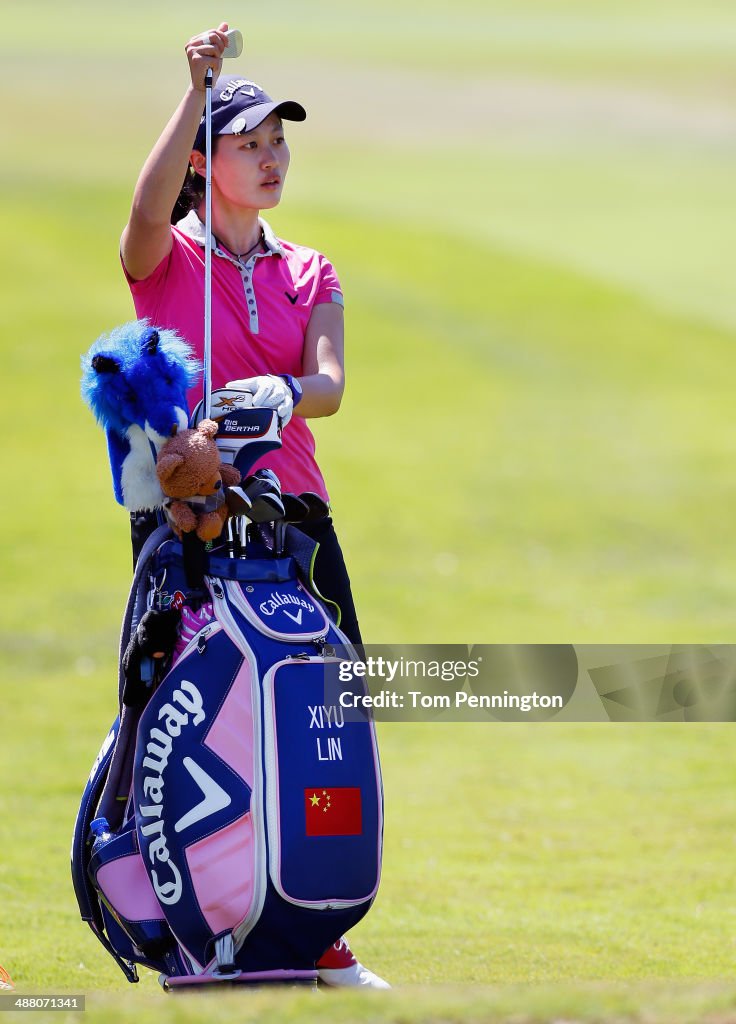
x=127, y=888
x=221, y=866
x=231, y=734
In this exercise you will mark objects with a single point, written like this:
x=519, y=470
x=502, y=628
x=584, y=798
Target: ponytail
x=190, y=196
x=192, y=190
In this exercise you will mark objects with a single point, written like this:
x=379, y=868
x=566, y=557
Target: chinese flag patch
x=333, y=812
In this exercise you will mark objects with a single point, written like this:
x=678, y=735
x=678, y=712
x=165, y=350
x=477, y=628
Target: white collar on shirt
x=193, y=227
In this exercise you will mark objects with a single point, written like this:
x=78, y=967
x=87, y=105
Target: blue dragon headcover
x=135, y=380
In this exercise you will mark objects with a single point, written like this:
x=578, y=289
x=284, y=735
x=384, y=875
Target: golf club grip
x=234, y=43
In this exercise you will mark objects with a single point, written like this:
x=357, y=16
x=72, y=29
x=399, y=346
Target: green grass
x=529, y=206
x=651, y=1003
x=523, y=872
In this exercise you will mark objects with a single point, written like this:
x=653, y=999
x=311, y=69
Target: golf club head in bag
x=245, y=432
x=264, y=491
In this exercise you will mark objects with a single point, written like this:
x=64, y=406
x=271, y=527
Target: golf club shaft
x=243, y=523
x=207, y=375
x=234, y=49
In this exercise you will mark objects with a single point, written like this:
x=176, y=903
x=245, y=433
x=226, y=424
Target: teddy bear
x=194, y=479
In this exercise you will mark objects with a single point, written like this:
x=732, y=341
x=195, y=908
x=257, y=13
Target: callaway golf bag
x=231, y=826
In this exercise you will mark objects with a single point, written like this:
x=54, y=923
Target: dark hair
x=192, y=191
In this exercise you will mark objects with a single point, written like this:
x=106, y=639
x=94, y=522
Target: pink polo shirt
x=260, y=311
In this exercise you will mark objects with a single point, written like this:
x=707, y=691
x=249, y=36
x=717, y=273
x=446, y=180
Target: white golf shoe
x=339, y=968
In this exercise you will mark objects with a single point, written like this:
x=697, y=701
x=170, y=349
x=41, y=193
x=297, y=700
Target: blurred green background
x=530, y=208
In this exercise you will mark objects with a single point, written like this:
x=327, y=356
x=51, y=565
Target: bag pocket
x=281, y=611
x=196, y=778
x=119, y=875
x=324, y=805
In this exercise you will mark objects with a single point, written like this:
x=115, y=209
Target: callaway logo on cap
x=239, y=105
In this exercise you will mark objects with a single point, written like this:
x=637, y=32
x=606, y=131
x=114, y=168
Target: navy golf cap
x=239, y=105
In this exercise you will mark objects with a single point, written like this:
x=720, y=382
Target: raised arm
x=146, y=239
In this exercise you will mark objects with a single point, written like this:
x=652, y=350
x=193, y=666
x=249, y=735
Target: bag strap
x=136, y=604
x=113, y=797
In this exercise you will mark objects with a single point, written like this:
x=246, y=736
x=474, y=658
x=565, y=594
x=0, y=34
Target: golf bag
x=242, y=806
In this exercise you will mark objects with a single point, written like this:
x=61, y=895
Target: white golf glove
x=269, y=392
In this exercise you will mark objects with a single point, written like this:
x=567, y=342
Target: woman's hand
x=269, y=392
x=205, y=51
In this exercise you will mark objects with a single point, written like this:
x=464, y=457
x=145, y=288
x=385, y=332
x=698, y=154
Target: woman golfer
x=277, y=307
